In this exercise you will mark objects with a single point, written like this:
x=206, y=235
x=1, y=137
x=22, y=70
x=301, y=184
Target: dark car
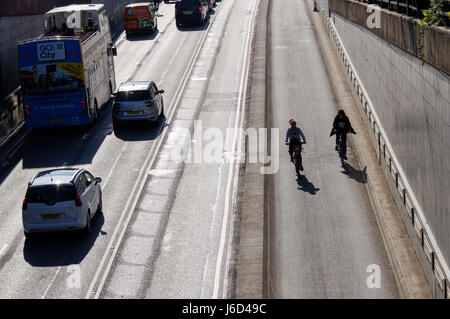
x=191, y=11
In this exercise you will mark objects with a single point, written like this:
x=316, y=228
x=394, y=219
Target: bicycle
x=297, y=149
x=341, y=147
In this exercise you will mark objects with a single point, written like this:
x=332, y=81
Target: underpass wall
x=406, y=106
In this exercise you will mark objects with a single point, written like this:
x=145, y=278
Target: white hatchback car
x=61, y=199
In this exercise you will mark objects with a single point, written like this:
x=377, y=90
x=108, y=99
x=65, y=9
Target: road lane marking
x=111, y=251
x=51, y=283
x=233, y=166
x=237, y=86
x=3, y=250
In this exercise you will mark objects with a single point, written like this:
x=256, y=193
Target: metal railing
x=414, y=8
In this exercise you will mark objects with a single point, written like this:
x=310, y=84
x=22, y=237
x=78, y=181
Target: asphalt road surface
x=164, y=228
x=323, y=234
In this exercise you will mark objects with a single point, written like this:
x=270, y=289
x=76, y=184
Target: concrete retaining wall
x=407, y=106
x=11, y=115
x=402, y=31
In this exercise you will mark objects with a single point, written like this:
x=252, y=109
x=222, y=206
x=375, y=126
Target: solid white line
x=233, y=167
x=228, y=153
x=51, y=283
x=114, y=165
x=3, y=251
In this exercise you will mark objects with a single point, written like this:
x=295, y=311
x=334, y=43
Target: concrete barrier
x=402, y=31
x=11, y=116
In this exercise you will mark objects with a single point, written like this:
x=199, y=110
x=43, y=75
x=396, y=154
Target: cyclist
x=293, y=135
x=342, y=126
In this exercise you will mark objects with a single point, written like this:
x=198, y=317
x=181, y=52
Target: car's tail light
x=199, y=8
x=176, y=9
x=27, y=109
x=24, y=204
x=83, y=106
x=78, y=202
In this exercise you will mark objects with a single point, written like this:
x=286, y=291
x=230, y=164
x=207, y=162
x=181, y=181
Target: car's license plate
x=187, y=12
x=134, y=113
x=51, y=216
x=56, y=120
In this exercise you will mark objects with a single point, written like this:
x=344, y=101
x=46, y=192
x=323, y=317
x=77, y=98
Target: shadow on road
x=66, y=146
x=62, y=249
x=140, y=130
x=306, y=185
x=191, y=27
x=357, y=175
x=141, y=36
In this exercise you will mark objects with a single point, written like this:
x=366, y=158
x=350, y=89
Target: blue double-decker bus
x=67, y=74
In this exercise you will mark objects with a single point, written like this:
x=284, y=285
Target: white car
x=61, y=199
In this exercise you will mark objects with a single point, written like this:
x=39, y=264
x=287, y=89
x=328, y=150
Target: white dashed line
x=3, y=250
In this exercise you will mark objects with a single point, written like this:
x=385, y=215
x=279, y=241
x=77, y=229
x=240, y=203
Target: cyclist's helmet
x=341, y=112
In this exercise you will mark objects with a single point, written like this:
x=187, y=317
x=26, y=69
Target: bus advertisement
x=53, y=83
x=67, y=74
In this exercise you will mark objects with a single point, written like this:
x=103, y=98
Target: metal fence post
x=432, y=260
x=379, y=146
x=422, y=237
x=445, y=288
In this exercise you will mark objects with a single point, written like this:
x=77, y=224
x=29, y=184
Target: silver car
x=61, y=199
x=139, y=100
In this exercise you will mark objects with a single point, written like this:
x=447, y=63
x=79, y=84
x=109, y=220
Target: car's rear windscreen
x=50, y=194
x=127, y=96
x=189, y=2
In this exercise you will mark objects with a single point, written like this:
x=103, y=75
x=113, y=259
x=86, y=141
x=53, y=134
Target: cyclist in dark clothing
x=342, y=126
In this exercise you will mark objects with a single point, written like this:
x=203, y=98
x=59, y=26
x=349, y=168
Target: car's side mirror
x=114, y=51
x=160, y=91
x=98, y=180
